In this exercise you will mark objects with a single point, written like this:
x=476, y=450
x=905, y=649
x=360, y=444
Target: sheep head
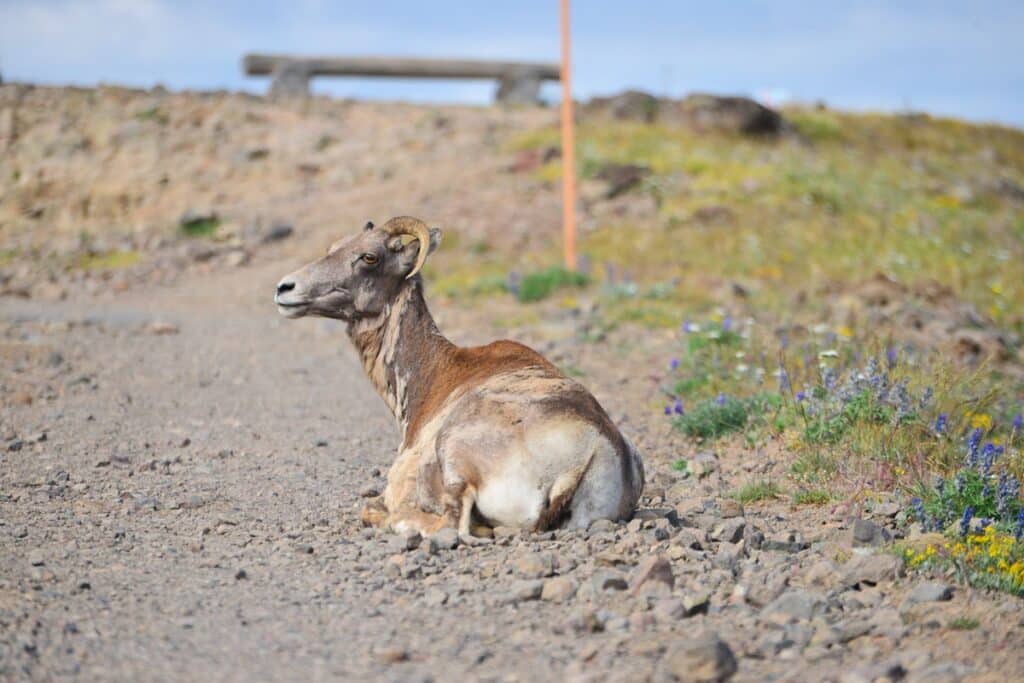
x=360, y=274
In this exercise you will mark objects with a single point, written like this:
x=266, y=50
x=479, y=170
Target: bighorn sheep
x=493, y=435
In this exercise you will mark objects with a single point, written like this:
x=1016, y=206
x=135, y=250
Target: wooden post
x=568, y=148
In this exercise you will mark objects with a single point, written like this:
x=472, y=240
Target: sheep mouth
x=290, y=309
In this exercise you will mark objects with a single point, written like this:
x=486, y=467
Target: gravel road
x=180, y=479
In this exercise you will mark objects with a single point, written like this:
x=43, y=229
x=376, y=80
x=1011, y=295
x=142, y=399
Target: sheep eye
x=370, y=259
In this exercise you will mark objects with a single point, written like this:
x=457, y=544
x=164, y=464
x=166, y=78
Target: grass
x=754, y=492
x=911, y=197
x=540, y=285
x=109, y=260
x=964, y=624
x=201, y=227
x=812, y=497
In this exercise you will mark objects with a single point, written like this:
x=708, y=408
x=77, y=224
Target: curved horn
x=414, y=227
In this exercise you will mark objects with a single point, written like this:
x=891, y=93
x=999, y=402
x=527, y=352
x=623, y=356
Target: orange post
x=568, y=148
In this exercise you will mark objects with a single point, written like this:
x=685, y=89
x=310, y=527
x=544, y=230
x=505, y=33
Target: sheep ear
x=435, y=239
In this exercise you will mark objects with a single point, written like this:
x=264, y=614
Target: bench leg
x=518, y=88
x=289, y=80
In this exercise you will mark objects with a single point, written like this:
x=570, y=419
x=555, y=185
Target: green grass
x=540, y=285
x=757, y=491
x=812, y=497
x=201, y=227
x=109, y=260
x=964, y=624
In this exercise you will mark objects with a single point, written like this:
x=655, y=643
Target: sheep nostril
x=285, y=287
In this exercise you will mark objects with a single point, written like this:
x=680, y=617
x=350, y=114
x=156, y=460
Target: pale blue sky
x=957, y=58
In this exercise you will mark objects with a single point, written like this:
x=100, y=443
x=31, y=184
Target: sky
x=959, y=59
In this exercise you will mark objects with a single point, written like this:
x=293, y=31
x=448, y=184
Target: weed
x=542, y=284
x=201, y=227
x=757, y=491
x=964, y=624
x=812, y=497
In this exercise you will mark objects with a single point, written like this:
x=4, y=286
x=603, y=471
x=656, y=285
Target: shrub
x=538, y=286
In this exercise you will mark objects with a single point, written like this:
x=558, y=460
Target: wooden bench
x=518, y=82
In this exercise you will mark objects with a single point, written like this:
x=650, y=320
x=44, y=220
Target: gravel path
x=180, y=479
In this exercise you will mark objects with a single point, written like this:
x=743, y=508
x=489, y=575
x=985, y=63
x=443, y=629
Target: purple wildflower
x=720, y=400
x=726, y=323
x=513, y=283
x=1018, y=531
x=1007, y=492
x=673, y=364
x=1018, y=422
x=891, y=355
x=677, y=407
x=919, y=510
x=800, y=396
x=940, y=423
x=668, y=410
x=965, y=520
x=783, y=380
x=973, y=441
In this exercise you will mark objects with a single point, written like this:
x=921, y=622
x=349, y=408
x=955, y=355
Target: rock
x=534, y=565
x=505, y=533
x=703, y=464
x=277, y=232
x=36, y=559
x=236, y=258
x=929, y=591
x=409, y=539
x=435, y=597
x=695, y=603
x=631, y=105
x=601, y=526
x=786, y=542
x=867, y=533
x=702, y=659
x=824, y=574
x=445, y=539
x=370, y=491
x=688, y=538
x=622, y=178
x=391, y=655
x=161, y=327
x=728, y=556
x=871, y=569
x=587, y=621
x=558, y=589
x=730, y=507
x=523, y=591
x=729, y=114
x=608, y=579
x=794, y=605
x=651, y=576
x=729, y=530
x=889, y=509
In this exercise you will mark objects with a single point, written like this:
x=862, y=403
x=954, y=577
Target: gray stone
x=558, y=589
x=929, y=591
x=871, y=569
x=728, y=530
x=609, y=579
x=867, y=533
x=786, y=542
x=534, y=565
x=410, y=539
x=703, y=464
x=701, y=659
x=652, y=575
x=728, y=556
x=794, y=605
x=445, y=539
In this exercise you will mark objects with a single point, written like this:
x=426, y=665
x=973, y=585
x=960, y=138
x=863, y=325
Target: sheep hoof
x=470, y=539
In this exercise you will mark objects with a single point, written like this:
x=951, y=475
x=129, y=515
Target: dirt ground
x=181, y=475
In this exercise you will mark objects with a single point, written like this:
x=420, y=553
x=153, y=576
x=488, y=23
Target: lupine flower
x=783, y=380
x=513, y=283
x=1007, y=492
x=965, y=520
x=1018, y=422
x=1018, y=530
x=668, y=409
x=960, y=483
x=674, y=364
x=940, y=486
x=940, y=423
x=800, y=396
x=973, y=441
x=720, y=400
x=891, y=355
x=726, y=323
x=926, y=397
x=783, y=341
x=677, y=407
x=919, y=510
